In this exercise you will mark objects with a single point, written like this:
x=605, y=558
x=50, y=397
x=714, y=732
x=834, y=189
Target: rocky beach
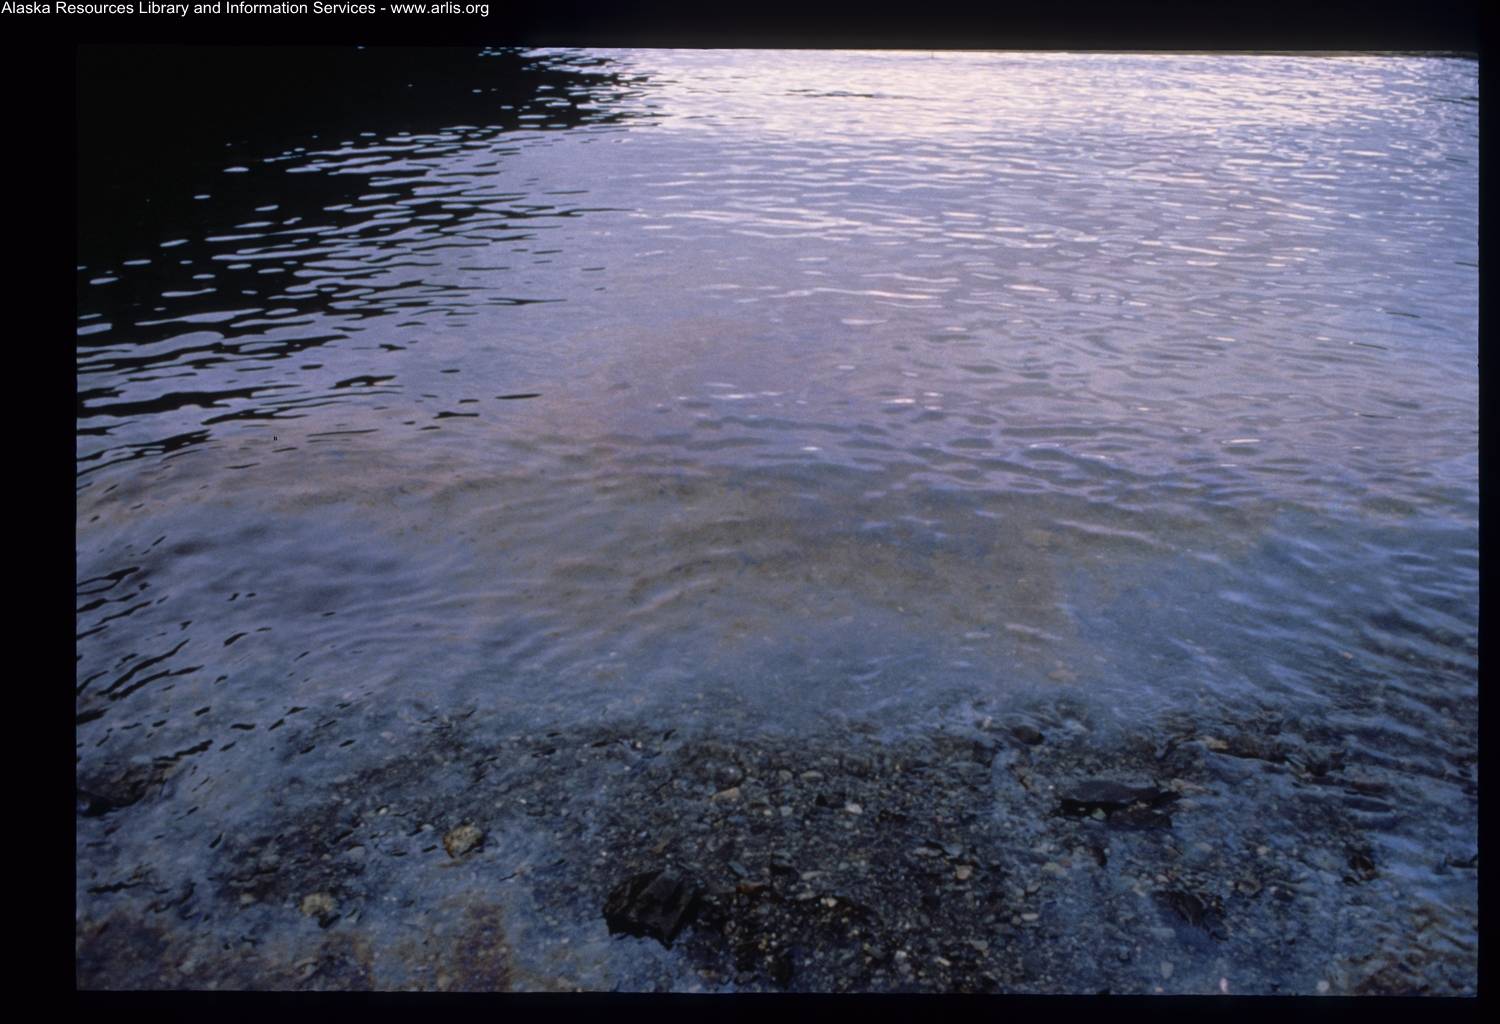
x=1035, y=853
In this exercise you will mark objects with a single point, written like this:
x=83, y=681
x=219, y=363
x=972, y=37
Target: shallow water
x=762, y=390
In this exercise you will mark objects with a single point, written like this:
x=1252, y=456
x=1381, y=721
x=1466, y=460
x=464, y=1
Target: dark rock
x=653, y=904
x=1254, y=747
x=1361, y=866
x=1027, y=735
x=1103, y=795
x=1139, y=817
x=782, y=966
x=1318, y=764
x=1200, y=912
x=101, y=794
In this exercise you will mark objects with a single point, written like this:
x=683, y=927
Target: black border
x=37, y=81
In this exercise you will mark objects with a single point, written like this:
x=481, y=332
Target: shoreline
x=1024, y=854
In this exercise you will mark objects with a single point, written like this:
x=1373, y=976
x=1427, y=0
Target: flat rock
x=1107, y=796
x=652, y=904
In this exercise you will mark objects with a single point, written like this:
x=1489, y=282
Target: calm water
x=757, y=389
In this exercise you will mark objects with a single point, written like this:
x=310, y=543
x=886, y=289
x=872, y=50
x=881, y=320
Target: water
x=753, y=391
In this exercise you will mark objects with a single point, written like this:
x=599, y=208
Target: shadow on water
x=286, y=198
x=141, y=161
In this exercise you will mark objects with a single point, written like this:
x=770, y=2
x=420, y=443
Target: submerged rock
x=322, y=906
x=653, y=904
x=1027, y=735
x=1103, y=795
x=462, y=839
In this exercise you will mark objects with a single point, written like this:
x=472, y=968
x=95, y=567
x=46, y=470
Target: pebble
x=962, y=872
x=726, y=795
x=318, y=904
x=461, y=840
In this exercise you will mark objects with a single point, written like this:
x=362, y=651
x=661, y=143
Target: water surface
x=750, y=391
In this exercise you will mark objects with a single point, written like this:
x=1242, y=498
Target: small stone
x=730, y=775
x=854, y=808
x=461, y=840
x=962, y=872
x=320, y=905
x=1323, y=987
x=1030, y=915
x=726, y=795
x=1027, y=735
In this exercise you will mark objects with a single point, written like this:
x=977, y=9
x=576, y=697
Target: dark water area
x=820, y=405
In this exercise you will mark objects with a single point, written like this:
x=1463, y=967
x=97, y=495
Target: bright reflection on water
x=859, y=385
